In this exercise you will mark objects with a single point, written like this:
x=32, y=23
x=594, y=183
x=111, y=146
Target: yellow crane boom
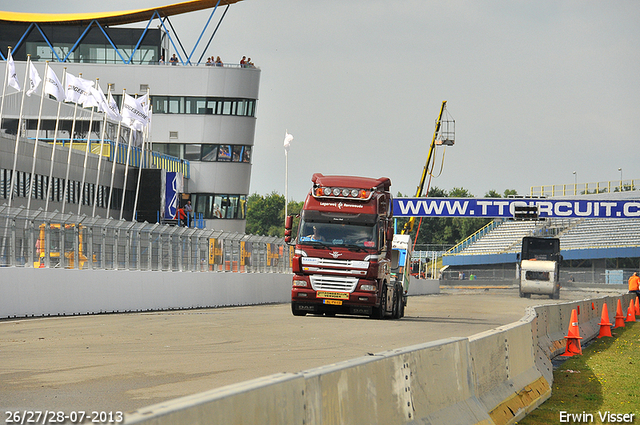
x=408, y=226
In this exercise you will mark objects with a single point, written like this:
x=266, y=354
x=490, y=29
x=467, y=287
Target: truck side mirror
x=288, y=224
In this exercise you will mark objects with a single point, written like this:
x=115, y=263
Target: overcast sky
x=538, y=89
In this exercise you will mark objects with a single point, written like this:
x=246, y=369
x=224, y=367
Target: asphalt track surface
x=123, y=362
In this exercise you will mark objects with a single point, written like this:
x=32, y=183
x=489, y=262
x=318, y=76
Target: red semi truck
x=343, y=261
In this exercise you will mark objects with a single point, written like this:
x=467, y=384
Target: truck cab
x=342, y=256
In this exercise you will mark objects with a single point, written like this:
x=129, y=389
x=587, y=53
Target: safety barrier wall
x=28, y=292
x=492, y=378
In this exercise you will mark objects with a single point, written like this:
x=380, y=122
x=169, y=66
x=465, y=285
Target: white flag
x=135, y=110
x=78, y=89
x=101, y=99
x=53, y=86
x=112, y=109
x=34, y=79
x=13, y=77
x=287, y=141
x=92, y=99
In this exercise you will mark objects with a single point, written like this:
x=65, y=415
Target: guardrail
x=41, y=240
x=108, y=150
x=584, y=188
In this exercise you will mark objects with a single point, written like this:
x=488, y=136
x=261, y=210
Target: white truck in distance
x=540, y=267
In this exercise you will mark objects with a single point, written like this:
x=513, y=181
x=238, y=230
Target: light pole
x=575, y=183
x=620, y=169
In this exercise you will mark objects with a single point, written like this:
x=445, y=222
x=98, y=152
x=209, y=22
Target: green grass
x=606, y=377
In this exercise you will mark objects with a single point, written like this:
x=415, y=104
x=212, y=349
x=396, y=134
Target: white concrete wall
x=48, y=292
x=27, y=292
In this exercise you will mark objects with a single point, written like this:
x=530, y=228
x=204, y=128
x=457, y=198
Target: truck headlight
x=299, y=283
x=368, y=287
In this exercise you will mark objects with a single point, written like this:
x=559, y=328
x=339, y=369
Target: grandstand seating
x=574, y=234
x=501, y=237
x=602, y=233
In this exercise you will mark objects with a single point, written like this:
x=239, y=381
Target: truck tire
x=379, y=312
x=397, y=302
x=297, y=312
x=524, y=295
x=556, y=294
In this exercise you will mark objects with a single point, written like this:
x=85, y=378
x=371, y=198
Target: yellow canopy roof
x=110, y=18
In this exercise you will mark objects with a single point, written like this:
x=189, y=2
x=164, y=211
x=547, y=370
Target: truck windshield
x=332, y=234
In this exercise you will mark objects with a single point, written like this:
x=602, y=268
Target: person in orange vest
x=180, y=215
x=634, y=282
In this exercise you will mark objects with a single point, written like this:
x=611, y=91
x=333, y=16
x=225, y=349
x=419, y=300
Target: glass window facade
x=218, y=206
x=202, y=105
x=206, y=152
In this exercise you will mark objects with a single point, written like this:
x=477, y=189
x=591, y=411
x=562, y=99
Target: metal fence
x=39, y=239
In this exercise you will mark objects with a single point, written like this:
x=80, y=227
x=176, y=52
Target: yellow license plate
x=338, y=295
x=332, y=302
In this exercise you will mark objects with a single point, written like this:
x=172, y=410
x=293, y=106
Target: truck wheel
x=556, y=294
x=378, y=312
x=297, y=312
x=524, y=295
x=397, y=302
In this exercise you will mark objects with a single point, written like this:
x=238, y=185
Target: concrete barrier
x=423, y=286
x=28, y=292
x=275, y=399
x=492, y=378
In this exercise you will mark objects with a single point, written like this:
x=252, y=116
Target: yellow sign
x=215, y=251
x=245, y=253
x=338, y=295
x=332, y=302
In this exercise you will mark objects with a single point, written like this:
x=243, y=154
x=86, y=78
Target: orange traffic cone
x=631, y=312
x=637, y=307
x=619, y=316
x=605, y=326
x=573, y=339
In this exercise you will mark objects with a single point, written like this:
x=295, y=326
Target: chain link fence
x=37, y=239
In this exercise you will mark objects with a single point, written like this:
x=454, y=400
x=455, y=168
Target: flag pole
x=104, y=130
x=35, y=145
x=53, y=147
x=126, y=168
x=287, y=143
x=66, y=178
x=144, y=137
x=286, y=182
x=115, y=157
x=15, y=154
x=86, y=157
x=4, y=86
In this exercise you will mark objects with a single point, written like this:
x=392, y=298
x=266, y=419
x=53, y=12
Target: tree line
x=265, y=216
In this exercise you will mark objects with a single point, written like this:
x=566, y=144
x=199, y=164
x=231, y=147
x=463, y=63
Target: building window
x=217, y=206
x=192, y=152
x=209, y=152
x=193, y=105
x=206, y=152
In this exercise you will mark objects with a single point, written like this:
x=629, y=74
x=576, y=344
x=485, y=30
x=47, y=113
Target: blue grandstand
x=595, y=250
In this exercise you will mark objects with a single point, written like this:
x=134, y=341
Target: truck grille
x=328, y=262
x=333, y=283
